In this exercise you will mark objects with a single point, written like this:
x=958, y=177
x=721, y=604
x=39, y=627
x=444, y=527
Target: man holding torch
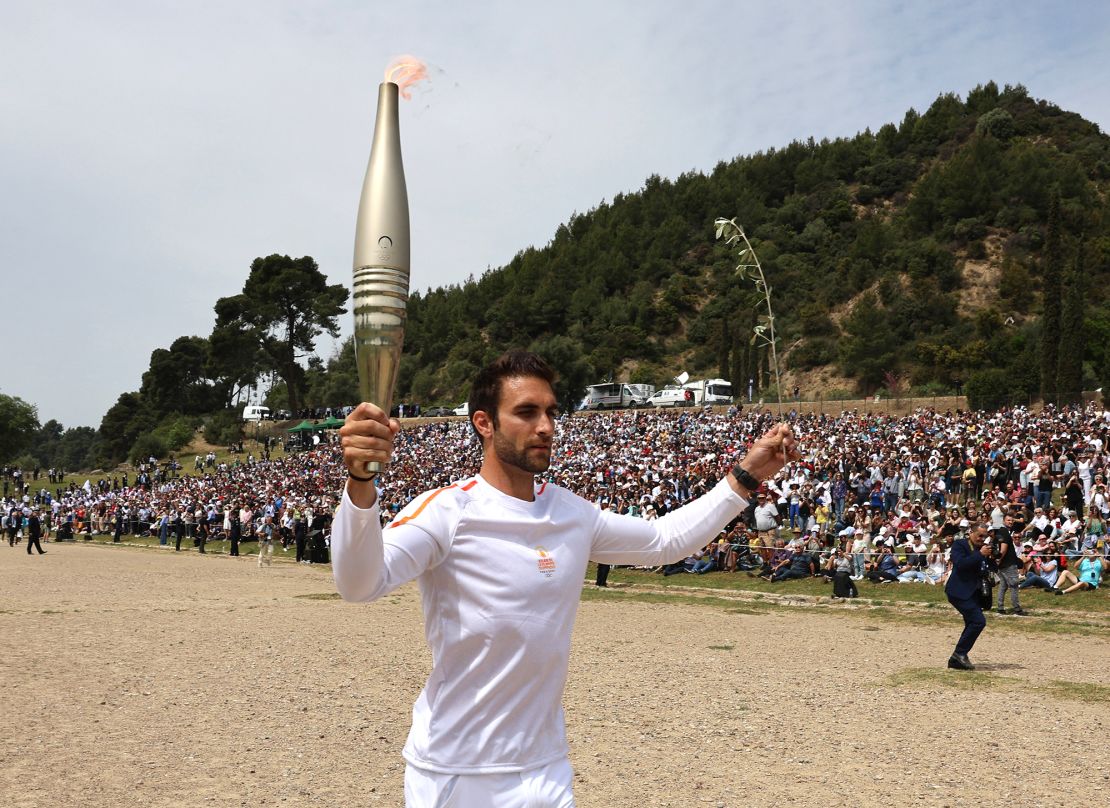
x=500, y=562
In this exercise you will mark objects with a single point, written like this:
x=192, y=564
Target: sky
x=149, y=151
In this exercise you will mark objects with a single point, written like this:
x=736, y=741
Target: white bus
x=613, y=395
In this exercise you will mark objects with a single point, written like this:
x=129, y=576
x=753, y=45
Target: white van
x=462, y=409
x=668, y=397
x=252, y=412
x=613, y=395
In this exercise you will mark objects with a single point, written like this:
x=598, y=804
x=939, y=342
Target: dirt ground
x=141, y=677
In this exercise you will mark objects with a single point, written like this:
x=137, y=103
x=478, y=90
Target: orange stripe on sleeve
x=423, y=505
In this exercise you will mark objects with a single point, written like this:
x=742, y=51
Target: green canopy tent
x=331, y=423
x=304, y=426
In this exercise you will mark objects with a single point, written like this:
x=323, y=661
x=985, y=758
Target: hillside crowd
x=875, y=496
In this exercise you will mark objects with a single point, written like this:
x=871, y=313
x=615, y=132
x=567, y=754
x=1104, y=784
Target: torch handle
x=380, y=297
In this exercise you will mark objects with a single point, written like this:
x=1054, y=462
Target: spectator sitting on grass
x=936, y=566
x=1042, y=570
x=779, y=559
x=706, y=561
x=885, y=568
x=915, y=549
x=685, y=565
x=908, y=574
x=800, y=566
x=1090, y=570
x=1072, y=524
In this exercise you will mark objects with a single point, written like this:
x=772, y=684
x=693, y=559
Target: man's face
x=978, y=536
x=525, y=425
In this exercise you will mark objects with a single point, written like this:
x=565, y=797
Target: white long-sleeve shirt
x=500, y=579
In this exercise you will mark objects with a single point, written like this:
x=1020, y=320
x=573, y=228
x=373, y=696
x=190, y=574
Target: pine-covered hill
x=910, y=255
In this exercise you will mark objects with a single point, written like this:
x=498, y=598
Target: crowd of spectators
x=294, y=496
x=879, y=497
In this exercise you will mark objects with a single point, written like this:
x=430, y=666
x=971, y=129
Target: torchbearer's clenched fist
x=768, y=455
x=367, y=436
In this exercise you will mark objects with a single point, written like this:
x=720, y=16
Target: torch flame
x=405, y=71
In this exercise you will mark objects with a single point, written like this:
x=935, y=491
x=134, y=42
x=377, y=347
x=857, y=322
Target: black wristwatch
x=746, y=480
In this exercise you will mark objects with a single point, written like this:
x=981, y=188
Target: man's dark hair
x=485, y=394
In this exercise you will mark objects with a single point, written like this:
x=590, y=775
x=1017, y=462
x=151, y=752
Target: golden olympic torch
x=381, y=265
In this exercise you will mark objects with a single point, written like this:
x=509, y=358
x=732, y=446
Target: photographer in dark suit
x=969, y=557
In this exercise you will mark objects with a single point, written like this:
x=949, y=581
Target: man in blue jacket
x=970, y=557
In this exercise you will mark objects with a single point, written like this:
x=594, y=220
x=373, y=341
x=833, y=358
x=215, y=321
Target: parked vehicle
x=613, y=395
x=710, y=391
x=253, y=412
x=462, y=409
x=438, y=412
x=669, y=397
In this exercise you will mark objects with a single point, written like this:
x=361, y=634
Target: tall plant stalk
x=749, y=268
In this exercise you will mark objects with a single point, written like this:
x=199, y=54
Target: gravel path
x=143, y=677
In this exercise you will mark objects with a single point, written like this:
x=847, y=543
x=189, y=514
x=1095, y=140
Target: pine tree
x=1053, y=292
x=1069, y=376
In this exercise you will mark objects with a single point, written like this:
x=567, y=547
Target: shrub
x=988, y=389
x=223, y=428
x=179, y=433
x=176, y=431
x=970, y=229
x=149, y=445
x=1014, y=285
x=998, y=123
x=867, y=194
x=930, y=390
x=26, y=462
x=813, y=353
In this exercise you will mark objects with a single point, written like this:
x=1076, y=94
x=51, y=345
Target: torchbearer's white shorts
x=543, y=787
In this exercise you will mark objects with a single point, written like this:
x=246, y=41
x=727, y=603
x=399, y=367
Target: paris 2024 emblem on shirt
x=546, y=562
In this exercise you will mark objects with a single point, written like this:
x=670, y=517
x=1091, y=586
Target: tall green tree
x=867, y=349
x=1052, y=288
x=56, y=446
x=19, y=421
x=1069, y=374
x=336, y=384
x=177, y=380
x=285, y=305
x=46, y=442
x=573, y=369
x=75, y=448
x=124, y=422
x=235, y=360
